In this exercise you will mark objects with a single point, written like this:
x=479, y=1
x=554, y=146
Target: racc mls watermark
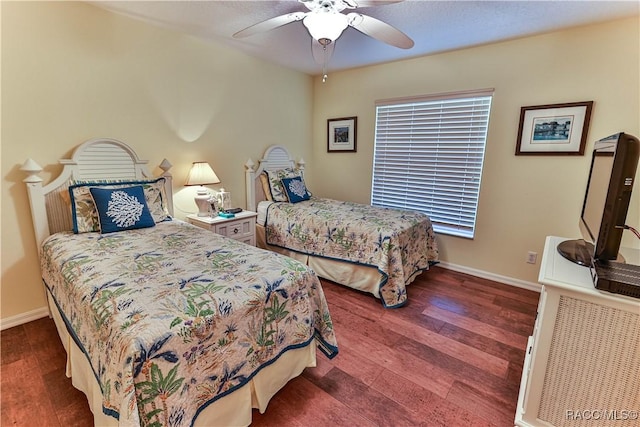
x=601, y=415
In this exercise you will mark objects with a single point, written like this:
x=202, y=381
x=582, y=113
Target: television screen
x=596, y=194
x=606, y=200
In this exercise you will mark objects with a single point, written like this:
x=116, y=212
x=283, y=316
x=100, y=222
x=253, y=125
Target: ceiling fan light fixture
x=325, y=25
x=325, y=22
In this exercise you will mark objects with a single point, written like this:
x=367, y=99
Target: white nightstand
x=242, y=227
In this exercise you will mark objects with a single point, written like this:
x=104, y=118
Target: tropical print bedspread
x=173, y=318
x=400, y=243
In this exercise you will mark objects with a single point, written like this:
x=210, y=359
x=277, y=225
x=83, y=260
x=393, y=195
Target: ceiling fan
x=326, y=22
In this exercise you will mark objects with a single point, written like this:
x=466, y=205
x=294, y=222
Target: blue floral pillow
x=85, y=215
x=275, y=178
x=121, y=209
x=295, y=189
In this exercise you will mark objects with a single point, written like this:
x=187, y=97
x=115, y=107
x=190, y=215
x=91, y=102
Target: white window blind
x=428, y=157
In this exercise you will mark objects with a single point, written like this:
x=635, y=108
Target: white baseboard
x=19, y=319
x=492, y=276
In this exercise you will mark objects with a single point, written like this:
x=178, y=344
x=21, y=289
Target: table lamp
x=202, y=174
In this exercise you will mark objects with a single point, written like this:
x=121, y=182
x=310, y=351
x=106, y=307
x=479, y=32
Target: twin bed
x=372, y=249
x=162, y=323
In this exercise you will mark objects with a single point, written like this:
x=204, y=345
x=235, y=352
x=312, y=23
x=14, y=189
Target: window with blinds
x=428, y=157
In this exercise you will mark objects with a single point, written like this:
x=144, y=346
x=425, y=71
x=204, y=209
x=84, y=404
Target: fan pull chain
x=325, y=61
x=328, y=47
x=323, y=58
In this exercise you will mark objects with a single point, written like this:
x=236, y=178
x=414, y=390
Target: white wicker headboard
x=96, y=159
x=275, y=157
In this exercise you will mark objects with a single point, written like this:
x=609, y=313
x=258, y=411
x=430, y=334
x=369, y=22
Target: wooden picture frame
x=554, y=129
x=342, y=134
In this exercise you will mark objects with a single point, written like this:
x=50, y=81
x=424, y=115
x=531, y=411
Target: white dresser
x=582, y=366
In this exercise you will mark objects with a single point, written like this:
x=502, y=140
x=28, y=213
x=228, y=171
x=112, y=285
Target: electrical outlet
x=532, y=257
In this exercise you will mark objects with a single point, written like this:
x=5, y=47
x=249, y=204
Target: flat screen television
x=614, y=162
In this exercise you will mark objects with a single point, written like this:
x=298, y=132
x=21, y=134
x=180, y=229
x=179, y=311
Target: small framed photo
x=554, y=129
x=342, y=134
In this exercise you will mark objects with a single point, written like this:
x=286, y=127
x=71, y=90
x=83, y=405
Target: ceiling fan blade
x=270, y=24
x=369, y=3
x=379, y=30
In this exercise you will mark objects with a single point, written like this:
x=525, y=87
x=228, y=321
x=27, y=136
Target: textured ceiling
x=435, y=26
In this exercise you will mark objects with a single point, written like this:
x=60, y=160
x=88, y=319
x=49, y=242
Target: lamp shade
x=324, y=25
x=201, y=173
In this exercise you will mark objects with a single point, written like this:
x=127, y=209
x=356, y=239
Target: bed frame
x=96, y=159
x=104, y=158
x=275, y=157
x=360, y=277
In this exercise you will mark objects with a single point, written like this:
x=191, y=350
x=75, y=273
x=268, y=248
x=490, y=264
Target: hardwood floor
x=451, y=357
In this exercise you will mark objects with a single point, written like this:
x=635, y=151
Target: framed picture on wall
x=554, y=129
x=342, y=134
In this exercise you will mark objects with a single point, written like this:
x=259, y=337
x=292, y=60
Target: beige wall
x=523, y=198
x=72, y=72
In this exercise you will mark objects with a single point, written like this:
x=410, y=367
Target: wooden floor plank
x=302, y=403
x=366, y=401
x=412, y=396
x=511, y=338
x=516, y=305
x=486, y=311
x=13, y=346
x=479, y=403
x=500, y=289
x=457, y=295
x=408, y=366
x=350, y=362
x=448, y=346
x=484, y=343
x=497, y=388
x=25, y=400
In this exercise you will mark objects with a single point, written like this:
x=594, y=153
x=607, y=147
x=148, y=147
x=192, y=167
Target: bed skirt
x=231, y=410
x=356, y=276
